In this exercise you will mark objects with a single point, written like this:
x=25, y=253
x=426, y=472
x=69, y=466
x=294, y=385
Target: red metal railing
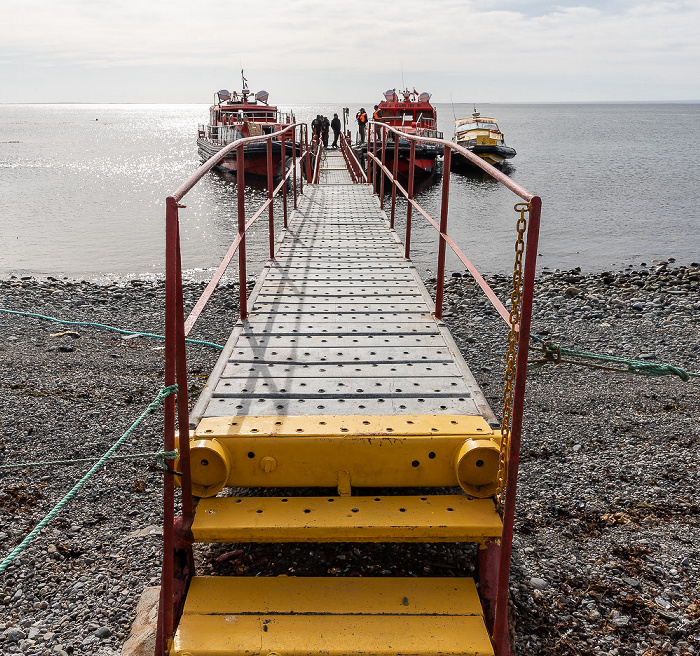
x=317, y=150
x=494, y=562
x=356, y=172
x=177, y=538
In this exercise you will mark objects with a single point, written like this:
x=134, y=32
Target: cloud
x=486, y=43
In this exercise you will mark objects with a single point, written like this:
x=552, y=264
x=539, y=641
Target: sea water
x=83, y=188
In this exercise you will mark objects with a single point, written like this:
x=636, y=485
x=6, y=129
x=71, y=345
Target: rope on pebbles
x=553, y=353
x=160, y=397
x=106, y=327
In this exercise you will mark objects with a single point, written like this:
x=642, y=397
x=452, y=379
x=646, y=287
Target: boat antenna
x=453, y=106
x=403, y=84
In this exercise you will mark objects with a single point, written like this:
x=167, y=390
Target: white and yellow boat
x=482, y=136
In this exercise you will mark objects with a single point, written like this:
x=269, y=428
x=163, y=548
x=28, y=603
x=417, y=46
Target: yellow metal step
x=332, y=616
x=434, y=518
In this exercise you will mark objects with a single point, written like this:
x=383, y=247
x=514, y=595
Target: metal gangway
x=339, y=375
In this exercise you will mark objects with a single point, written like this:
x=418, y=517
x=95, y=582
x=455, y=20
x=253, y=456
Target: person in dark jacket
x=316, y=126
x=335, y=126
x=361, y=117
x=325, y=123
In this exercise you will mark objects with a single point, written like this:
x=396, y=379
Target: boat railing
x=177, y=538
x=424, y=127
x=225, y=134
x=518, y=319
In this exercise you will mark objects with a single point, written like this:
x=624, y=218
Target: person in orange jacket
x=377, y=116
x=361, y=117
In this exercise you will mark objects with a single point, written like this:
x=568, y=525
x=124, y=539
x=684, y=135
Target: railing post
x=385, y=133
x=370, y=177
x=284, y=188
x=375, y=187
x=270, y=209
x=409, y=208
x=395, y=173
x=442, y=244
x=301, y=157
x=501, y=638
x=294, y=166
x=308, y=157
x=183, y=420
x=165, y=609
x=240, y=183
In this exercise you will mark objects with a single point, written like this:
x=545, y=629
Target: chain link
x=515, y=297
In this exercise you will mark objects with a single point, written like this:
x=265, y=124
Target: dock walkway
x=340, y=380
x=341, y=323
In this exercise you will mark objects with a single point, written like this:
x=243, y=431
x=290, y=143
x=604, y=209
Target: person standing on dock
x=361, y=117
x=325, y=123
x=335, y=126
x=316, y=126
x=377, y=116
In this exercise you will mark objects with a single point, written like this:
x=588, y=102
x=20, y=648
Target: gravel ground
x=606, y=550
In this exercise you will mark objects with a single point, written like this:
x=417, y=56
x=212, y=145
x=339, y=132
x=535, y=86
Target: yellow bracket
x=345, y=451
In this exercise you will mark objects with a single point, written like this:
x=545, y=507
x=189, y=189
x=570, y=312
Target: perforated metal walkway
x=340, y=324
x=333, y=168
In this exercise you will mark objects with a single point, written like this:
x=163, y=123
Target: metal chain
x=515, y=297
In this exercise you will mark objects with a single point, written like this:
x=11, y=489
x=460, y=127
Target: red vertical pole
x=442, y=244
x=308, y=156
x=369, y=162
x=374, y=161
x=294, y=165
x=395, y=173
x=284, y=189
x=409, y=209
x=165, y=610
x=270, y=209
x=183, y=412
x=240, y=183
x=301, y=157
x=381, y=185
x=501, y=639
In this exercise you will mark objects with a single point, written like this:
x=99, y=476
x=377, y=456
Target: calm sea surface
x=82, y=188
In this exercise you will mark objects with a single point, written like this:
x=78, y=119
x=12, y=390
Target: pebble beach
x=606, y=557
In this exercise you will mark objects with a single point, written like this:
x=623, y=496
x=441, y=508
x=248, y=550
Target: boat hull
x=254, y=157
x=495, y=155
x=424, y=162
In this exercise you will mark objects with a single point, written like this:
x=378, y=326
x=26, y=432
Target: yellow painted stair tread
x=382, y=617
x=433, y=518
x=221, y=595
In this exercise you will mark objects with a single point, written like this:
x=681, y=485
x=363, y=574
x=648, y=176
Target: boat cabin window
x=477, y=125
x=407, y=115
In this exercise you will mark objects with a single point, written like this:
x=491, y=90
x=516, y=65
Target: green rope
x=552, y=353
x=158, y=455
x=161, y=396
x=101, y=325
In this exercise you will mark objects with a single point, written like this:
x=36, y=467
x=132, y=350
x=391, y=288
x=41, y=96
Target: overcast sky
x=303, y=51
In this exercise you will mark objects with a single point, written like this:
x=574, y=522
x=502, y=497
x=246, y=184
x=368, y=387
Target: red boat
x=234, y=116
x=413, y=114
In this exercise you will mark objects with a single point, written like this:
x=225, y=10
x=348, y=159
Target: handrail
x=497, y=559
x=356, y=172
x=316, y=143
x=177, y=537
x=187, y=185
